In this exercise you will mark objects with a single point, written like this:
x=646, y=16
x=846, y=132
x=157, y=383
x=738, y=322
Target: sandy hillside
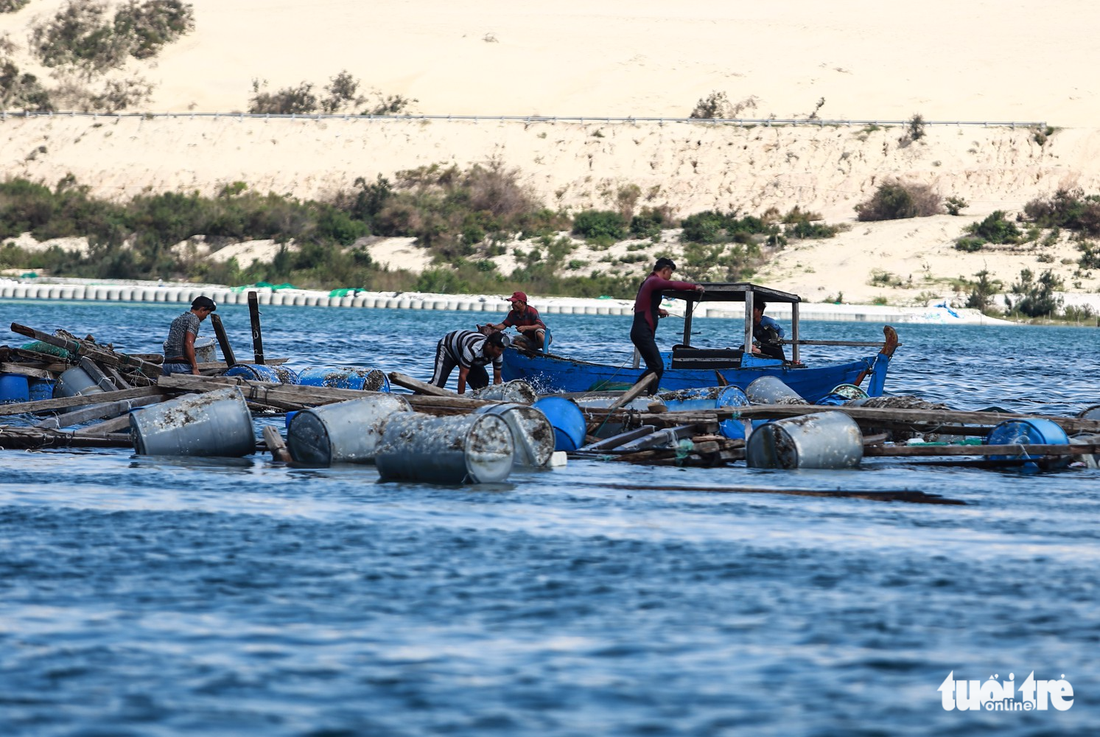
x=959, y=61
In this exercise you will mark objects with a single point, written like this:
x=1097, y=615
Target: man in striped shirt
x=470, y=351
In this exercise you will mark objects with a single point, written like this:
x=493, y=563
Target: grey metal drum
x=475, y=449
x=76, y=381
x=818, y=440
x=216, y=423
x=770, y=390
x=532, y=432
x=345, y=432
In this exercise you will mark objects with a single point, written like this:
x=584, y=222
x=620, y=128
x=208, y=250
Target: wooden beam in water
x=904, y=495
x=49, y=405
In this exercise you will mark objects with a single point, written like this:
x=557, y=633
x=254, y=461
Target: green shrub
x=596, y=225
x=955, y=205
x=299, y=100
x=10, y=6
x=969, y=245
x=897, y=201
x=1036, y=296
x=149, y=25
x=80, y=35
x=995, y=229
x=1069, y=209
x=982, y=290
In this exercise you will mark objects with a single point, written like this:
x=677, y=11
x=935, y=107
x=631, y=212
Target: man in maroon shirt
x=533, y=331
x=647, y=310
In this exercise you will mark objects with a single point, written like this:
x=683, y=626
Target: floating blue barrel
x=363, y=379
x=716, y=397
x=40, y=389
x=842, y=394
x=263, y=372
x=567, y=420
x=1027, y=432
x=13, y=388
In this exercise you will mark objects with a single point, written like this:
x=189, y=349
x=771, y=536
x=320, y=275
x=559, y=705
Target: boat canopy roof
x=733, y=292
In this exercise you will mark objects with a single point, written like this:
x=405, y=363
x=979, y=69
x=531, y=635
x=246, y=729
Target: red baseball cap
x=518, y=295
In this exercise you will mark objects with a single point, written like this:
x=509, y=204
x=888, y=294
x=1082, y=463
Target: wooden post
x=223, y=339
x=632, y=392
x=254, y=316
x=276, y=445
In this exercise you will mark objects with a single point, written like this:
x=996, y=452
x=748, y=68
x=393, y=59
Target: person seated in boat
x=533, y=333
x=766, y=332
x=647, y=310
x=179, y=348
x=471, y=352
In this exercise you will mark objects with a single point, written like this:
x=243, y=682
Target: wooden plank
x=49, y=405
x=420, y=387
x=97, y=375
x=93, y=350
x=223, y=340
x=275, y=444
x=643, y=384
x=116, y=376
x=97, y=412
x=21, y=370
x=113, y=425
x=980, y=450
x=29, y=437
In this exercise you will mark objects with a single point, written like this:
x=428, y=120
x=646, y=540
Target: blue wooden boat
x=687, y=367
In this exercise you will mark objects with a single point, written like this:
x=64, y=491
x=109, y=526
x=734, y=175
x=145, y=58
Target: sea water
x=150, y=596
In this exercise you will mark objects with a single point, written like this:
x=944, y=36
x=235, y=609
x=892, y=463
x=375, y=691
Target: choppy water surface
x=144, y=596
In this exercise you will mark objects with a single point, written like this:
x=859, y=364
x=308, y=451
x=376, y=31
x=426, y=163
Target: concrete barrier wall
x=185, y=295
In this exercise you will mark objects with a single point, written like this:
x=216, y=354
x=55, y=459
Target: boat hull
x=550, y=374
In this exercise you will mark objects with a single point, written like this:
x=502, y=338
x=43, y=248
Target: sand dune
x=958, y=61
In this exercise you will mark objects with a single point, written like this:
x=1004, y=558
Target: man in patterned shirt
x=533, y=333
x=471, y=352
x=179, y=348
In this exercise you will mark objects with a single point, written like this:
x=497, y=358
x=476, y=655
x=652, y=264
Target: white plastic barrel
x=345, y=432
x=216, y=423
x=532, y=433
x=818, y=440
x=476, y=449
x=516, y=391
x=770, y=390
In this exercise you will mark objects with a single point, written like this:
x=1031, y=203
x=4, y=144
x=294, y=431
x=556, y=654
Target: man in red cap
x=534, y=335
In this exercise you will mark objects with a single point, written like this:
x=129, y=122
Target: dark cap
x=497, y=339
x=204, y=303
x=664, y=262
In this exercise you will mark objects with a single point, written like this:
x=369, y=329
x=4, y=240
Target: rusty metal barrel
x=215, y=423
x=818, y=440
x=462, y=449
x=344, y=432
